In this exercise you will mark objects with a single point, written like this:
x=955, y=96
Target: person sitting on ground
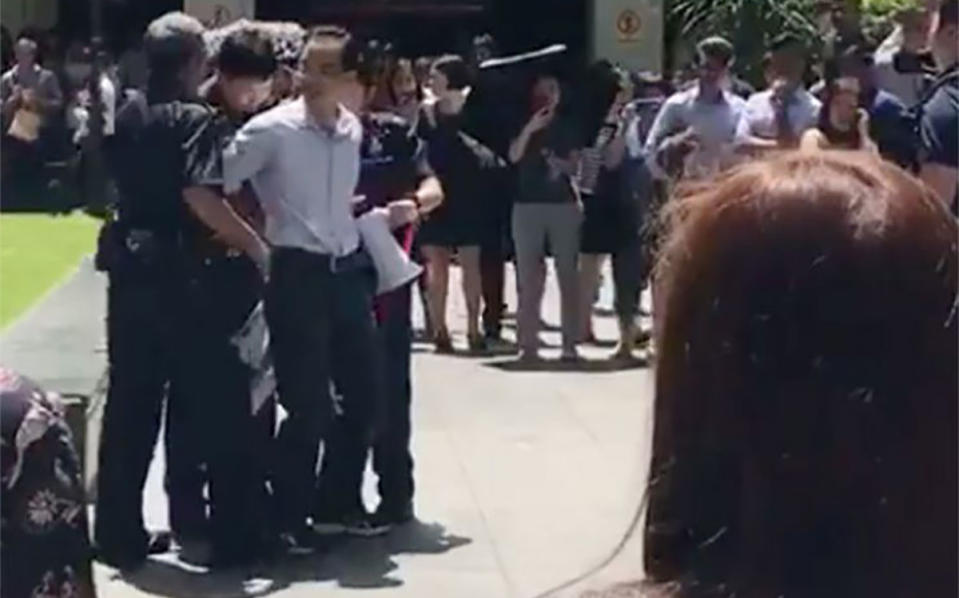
x=805, y=418
x=842, y=123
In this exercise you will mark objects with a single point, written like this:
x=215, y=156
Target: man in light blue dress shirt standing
x=303, y=160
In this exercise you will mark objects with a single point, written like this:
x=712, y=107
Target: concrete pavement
x=526, y=479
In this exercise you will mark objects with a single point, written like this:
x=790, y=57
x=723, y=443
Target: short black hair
x=352, y=48
x=455, y=70
x=247, y=53
x=949, y=13
x=716, y=47
x=171, y=42
x=372, y=61
x=788, y=41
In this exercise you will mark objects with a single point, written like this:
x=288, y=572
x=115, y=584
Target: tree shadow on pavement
x=351, y=563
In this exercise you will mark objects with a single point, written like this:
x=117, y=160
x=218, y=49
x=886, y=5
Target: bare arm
x=813, y=140
x=429, y=194
x=751, y=144
x=517, y=149
x=216, y=213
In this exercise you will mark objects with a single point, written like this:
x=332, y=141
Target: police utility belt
x=124, y=248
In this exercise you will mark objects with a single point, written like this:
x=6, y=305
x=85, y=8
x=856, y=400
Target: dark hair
x=455, y=70
x=171, y=42
x=352, y=49
x=788, y=41
x=805, y=417
x=484, y=44
x=949, y=13
x=247, y=53
x=400, y=64
x=850, y=139
x=645, y=80
x=716, y=47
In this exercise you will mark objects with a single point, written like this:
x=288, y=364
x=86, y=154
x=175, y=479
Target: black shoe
x=298, y=543
x=196, y=552
x=159, y=542
x=393, y=516
x=477, y=344
x=128, y=560
x=359, y=525
x=443, y=342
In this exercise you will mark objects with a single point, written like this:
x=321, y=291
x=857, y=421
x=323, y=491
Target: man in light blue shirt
x=777, y=117
x=303, y=160
x=694, y=131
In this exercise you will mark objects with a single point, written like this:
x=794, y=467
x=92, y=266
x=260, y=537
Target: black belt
x=356, y=260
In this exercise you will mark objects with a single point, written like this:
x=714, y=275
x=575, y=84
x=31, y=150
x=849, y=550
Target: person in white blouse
x=693, y=133
x=777, y=117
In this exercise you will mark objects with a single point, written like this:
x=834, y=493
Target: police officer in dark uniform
x=938, y=112
x=160, y=331
x=395, y=176
x=228, y=284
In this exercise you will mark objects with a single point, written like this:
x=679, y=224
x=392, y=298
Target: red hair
x=805, y=436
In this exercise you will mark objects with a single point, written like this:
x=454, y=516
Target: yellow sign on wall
x=628, y=25
x=629, y=32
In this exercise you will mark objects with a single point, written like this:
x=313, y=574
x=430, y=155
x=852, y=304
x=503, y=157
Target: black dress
x=605, y=214
x=464, y=167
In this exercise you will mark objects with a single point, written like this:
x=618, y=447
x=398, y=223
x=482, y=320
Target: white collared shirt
x=304, y=175
x=714, y=122
x=760, y=117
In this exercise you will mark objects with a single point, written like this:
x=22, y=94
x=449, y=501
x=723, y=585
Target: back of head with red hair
x=805, y=417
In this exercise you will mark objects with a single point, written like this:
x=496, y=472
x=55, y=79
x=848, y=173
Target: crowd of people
x=798, y=258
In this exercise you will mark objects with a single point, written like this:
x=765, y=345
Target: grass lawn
x=36, y=252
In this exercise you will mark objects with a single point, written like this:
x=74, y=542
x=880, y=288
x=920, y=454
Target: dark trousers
x=629, y=275
x=341, y=476
x=492, y=279
x=228, y=290
x=173, y=333
x=320, y=318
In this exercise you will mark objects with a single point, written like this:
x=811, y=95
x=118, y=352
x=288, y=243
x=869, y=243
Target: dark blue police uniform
x=170, y=318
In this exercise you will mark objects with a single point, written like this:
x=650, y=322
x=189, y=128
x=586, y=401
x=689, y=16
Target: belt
x=334, y=264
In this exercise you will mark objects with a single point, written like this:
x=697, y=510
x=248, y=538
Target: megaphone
x=393, y=267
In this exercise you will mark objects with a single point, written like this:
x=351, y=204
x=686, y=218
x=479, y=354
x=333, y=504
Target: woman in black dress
x=605, y=219
x=458, y=225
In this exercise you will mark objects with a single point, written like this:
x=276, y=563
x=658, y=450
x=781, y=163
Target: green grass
x=36, y=252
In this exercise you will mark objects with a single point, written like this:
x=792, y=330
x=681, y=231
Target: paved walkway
x=525, y=480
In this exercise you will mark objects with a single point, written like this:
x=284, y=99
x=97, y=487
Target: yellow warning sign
x=628, y=25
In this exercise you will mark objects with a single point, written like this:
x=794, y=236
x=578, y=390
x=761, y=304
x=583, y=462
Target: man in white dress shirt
x=777, y=117
x=303, y=160
x=695, y=129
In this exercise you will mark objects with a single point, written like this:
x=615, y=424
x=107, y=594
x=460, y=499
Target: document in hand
x=253, y=343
